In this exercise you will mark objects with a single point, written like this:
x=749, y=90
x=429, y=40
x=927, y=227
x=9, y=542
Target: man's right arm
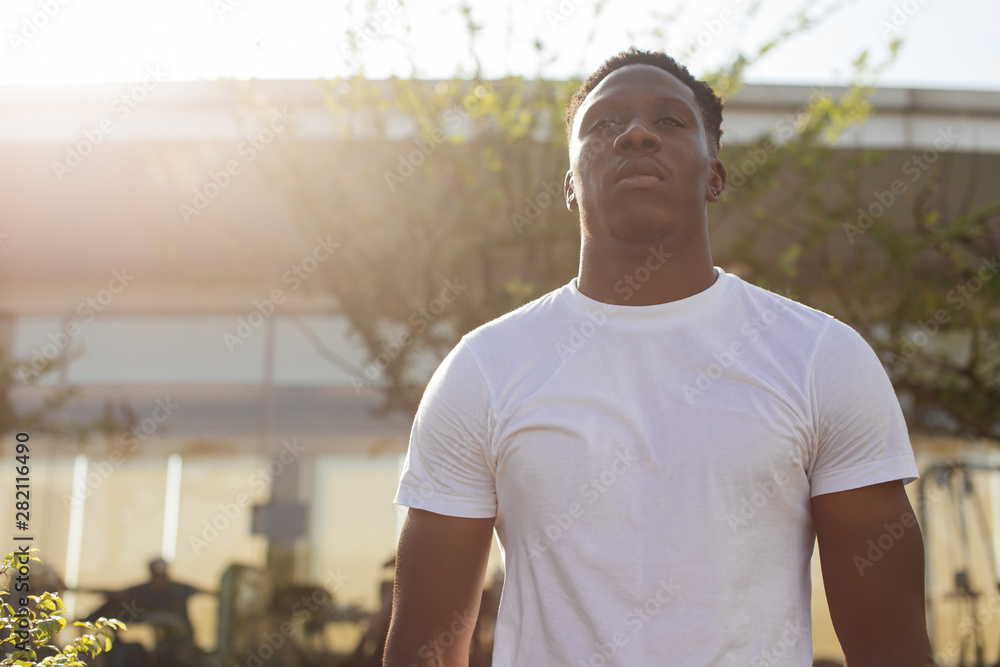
x=440, y=571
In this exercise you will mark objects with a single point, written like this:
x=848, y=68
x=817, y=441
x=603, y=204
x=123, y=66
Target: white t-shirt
x=650, y=470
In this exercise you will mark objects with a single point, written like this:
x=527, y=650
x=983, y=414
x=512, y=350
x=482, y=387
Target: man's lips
x=640, y=181
x=639, y=173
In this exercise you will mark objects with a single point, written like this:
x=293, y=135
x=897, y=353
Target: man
x=161, y=602
x=658, y=443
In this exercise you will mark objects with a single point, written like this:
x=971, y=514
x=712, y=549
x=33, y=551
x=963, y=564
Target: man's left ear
x=716, y=180
x=570, y=192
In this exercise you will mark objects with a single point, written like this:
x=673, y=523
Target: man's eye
x=604, y=122
x=670, y=120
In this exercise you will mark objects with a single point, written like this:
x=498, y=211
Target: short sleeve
x=861, y=433
x=447, y=470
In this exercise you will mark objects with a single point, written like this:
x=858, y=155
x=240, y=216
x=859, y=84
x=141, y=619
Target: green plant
x=30, y=623
x=901, y=244
x=474, y=197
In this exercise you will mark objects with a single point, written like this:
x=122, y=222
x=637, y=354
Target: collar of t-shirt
x=673, y=312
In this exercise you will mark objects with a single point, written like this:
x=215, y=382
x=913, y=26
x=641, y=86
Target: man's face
x=641, y=164
x=158, y=571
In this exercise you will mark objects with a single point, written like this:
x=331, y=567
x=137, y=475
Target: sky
x=946, y=43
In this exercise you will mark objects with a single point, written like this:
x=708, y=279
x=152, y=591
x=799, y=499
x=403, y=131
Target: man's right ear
x=570, y=193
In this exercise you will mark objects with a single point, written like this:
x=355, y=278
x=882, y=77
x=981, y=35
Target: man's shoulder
x=817, y=329
x=532, y=316
x=137, y=589
x=785, y=297
x=187, y=590
x=785, y=304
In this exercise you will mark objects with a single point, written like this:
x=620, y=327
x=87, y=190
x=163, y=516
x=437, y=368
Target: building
x=140, y=236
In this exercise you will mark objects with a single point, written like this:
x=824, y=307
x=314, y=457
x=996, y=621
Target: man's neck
x=643, y=275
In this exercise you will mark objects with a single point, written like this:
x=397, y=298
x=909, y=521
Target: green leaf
x=788, y=261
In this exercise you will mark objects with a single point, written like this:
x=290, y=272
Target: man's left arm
x=872, y=555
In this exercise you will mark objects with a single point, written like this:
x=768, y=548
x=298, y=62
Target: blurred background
x=236, y=238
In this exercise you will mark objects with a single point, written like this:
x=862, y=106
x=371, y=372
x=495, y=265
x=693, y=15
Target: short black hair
x=708, y=101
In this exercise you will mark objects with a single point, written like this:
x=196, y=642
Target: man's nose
x=637, y=137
